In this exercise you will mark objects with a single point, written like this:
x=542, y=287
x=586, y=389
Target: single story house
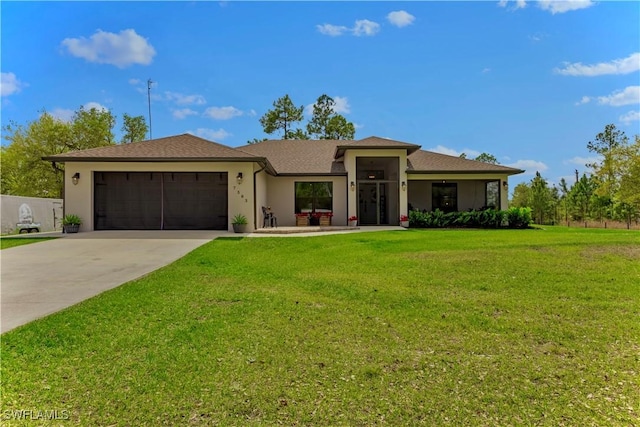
x=186, y=182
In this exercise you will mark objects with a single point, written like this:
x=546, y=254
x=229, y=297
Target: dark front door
x=373, y=208
x=160, y=200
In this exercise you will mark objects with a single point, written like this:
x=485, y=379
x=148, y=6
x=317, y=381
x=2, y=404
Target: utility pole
x=149, y=82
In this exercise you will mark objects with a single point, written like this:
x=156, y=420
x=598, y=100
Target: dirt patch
x=603, y=224
x=631, y=252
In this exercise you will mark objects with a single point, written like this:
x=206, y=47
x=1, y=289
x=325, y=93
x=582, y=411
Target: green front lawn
x=417, y=327
x=10, y=242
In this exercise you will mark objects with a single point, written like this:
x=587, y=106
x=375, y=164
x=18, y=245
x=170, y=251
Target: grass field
x=417, y=327
x=8, y=242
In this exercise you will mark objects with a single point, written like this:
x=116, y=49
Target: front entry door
x=372, y=203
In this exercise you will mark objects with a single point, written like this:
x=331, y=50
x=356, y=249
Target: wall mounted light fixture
x=505, y=185
x=404, y=186
x=353, y=186
x=239, y=178
x=75, y=178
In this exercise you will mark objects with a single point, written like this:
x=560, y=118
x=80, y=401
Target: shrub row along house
x=186, y=182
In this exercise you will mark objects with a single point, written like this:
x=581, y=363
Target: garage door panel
x=128, y=201
x=173, y=201
x=194, y=201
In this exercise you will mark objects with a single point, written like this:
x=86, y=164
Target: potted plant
x=404, y=221
x=353, y=221
x=302, y=219
x=71, y=223
x=325, y=219
x=239, y=223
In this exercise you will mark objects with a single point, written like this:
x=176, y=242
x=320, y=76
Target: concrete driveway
x=42, y=278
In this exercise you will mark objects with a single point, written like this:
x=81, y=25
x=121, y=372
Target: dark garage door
x=160, y=200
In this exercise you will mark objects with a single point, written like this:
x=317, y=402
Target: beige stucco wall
x=281, y=197
x=471, y=189
x=350, y=157
x=79, y=198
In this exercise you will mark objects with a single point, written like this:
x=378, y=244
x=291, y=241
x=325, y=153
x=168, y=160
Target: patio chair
x=268, y=218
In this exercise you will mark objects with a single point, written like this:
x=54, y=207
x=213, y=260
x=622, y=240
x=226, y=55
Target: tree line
x=284, y=120
x=611, y=191
x=24, y=173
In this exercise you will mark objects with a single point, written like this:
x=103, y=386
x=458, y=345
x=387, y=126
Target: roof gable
x=374, y=142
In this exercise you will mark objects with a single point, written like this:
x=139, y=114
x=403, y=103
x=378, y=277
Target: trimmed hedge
x=489, y=218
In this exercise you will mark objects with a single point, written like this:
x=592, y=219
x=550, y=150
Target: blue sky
x=529, y=82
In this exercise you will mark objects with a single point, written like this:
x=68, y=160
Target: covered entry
x=377, y=179
x=160, y=200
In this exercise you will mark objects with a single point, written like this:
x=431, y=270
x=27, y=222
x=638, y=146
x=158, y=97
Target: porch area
x=456, y=195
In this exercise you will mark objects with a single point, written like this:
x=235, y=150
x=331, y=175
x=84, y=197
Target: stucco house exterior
x=186, y=182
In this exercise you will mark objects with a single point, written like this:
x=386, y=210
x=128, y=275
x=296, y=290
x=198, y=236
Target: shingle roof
x=429, y=162
x=185, y=147
x=373, y=142
x=299, y=157
x=281, y=157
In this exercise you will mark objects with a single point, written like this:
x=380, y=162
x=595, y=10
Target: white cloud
x=183, y=113
x=332, y=30
x=582, y=161
x=122, y=50
x=631, y=116
x=210, y=134
x=89, y=105
x=400, y=18
x=63, y=114
x=553, y=6
x=538, y=37
x=341, y=106
x=252, y=113
x=364, y=27
x=308, y=110
x=529, y=166
x=9, y=84
x=486, y=70
x=519, y=4
x=222, y=113
x=181, y=99
x=626, y=65
x=584, y=100
x=562, y=6
x=66, y=114
x=451, y=152
x=134, y=82
x=630, y=95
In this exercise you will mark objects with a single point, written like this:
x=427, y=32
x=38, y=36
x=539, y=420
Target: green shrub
x=488, y=218
x=518, y=217
x=71, y=219
x=239, y=219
